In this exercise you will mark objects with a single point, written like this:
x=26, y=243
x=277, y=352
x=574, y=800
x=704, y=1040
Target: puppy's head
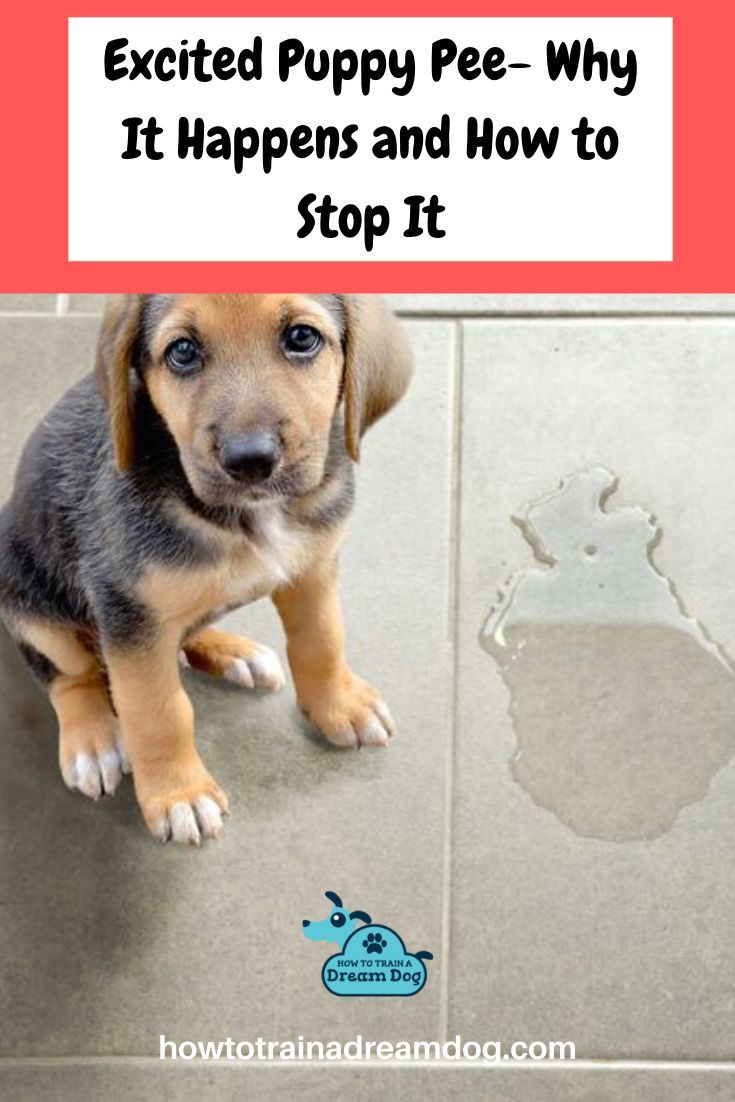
x=249, y=385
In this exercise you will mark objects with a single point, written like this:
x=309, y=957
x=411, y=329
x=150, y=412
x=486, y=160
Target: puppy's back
x=40, y=526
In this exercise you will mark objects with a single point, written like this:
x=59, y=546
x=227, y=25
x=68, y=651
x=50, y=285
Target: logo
x=373, y=959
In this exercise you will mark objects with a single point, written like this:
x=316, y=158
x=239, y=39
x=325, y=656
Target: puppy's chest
x=243, y=570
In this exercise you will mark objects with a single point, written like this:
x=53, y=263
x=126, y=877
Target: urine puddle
x=623, y=706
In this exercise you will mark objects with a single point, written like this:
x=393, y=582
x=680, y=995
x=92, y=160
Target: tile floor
x=109, y=941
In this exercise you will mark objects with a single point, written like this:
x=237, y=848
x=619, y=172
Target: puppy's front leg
x=347, y=710
x=178, y=797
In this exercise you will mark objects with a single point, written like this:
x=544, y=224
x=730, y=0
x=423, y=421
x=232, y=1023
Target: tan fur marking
x=87, y=724
x=78, y=695
x=61, y=645
x=212, y=651
x=157, y=721
x=347, y=710
x=184, y=597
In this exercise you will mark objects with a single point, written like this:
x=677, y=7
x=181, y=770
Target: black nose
x=304, y=922
x=249, y=458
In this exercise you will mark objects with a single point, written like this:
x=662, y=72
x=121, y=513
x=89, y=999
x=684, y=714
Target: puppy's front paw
x=349, y=712
x=186, y=810
x=240, y=661
x=92, y=760
x=260, y=670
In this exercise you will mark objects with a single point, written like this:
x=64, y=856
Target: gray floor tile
x=108, y=939
x=563, y=304
x=27, y=304
x=86, y=304
x=39, y=359
x=134, y=1081
x=622, y=948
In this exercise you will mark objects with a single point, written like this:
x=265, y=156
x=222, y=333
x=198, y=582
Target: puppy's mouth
x=216, y=488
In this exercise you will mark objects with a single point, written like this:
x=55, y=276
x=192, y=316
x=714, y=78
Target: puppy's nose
x=250, y=458
x=305, y=922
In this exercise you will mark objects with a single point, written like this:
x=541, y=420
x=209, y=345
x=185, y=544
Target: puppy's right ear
x=362, y=916
x=116, y=351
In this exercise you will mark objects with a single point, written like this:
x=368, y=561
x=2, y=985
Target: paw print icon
x=374, y=943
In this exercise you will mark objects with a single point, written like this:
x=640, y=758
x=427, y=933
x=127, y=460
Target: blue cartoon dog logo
x=372, y=960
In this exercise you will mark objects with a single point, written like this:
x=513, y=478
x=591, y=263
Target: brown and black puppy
x=207, y=463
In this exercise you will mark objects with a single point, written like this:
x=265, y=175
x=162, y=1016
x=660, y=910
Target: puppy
x=206, y=463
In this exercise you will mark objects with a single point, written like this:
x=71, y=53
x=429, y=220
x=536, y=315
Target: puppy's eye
x=184, y=356
x=302, y=341
x=338, y=919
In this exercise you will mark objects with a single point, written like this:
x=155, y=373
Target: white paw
x=189, y=823
x=95, y=774
x=369, y=729
x=354, y=716
x=260, y=670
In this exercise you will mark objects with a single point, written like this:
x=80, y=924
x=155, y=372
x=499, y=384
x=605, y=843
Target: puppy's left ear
x=378, y=365
x=116, y=352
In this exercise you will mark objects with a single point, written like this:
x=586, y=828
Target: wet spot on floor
x=623, y=706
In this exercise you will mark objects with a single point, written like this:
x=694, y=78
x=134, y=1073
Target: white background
x=560, y=209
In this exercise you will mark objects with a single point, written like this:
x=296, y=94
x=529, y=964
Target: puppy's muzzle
x=250, y=458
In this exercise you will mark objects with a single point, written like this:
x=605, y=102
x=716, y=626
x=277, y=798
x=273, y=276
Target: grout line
x=453, y=621
x=24, y=314
x=458, y=316
x=564, y=315
x=586, y=1064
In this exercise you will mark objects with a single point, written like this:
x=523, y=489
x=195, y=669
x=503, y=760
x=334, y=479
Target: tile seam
x=530, y=1066
x=453, y=623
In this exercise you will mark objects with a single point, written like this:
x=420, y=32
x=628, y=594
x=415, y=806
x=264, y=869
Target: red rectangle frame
x=33, y=212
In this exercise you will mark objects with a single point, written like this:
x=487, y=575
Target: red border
x=33, y=209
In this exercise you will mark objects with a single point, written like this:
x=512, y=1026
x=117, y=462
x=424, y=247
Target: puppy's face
x=248, y=386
